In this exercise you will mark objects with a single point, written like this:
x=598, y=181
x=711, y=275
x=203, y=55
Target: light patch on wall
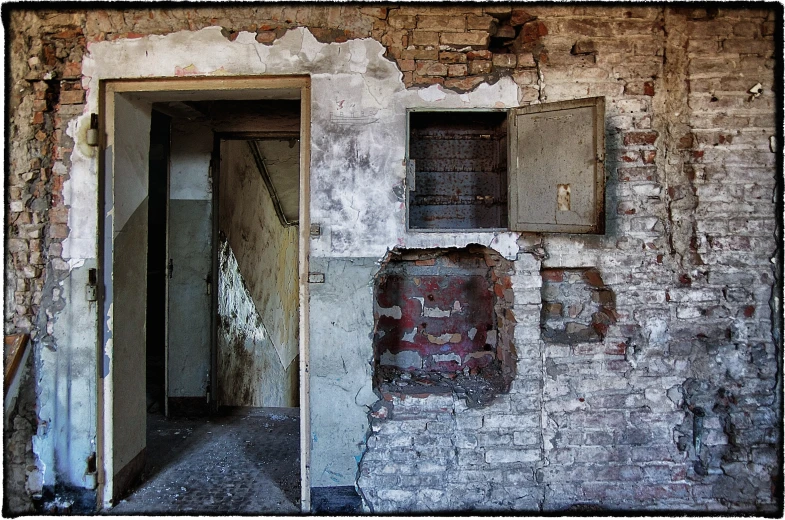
x=403, y=359
x=435, y=312
x=563, y=197
x=81, y=186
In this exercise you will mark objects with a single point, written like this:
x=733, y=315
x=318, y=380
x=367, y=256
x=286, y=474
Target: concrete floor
x=246, y=462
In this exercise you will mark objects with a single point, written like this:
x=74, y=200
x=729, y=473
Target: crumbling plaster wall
x=266, y=260
x=690, y=233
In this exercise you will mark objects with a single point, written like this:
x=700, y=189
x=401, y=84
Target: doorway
x=197, y=380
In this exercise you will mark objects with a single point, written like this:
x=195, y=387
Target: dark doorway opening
x=160, y=136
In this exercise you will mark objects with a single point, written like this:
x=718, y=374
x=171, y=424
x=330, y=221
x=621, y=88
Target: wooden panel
x=556, y=167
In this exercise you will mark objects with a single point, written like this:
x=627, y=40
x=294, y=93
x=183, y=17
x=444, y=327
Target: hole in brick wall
x=577, y=306
x=460, y=163
x=443, y=323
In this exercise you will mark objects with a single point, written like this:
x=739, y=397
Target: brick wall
x=678, y=405
x=664, y=412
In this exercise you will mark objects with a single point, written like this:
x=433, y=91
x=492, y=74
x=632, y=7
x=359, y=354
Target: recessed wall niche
x=443, y=323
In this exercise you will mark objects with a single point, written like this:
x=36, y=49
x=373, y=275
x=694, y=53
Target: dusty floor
x=244, y=463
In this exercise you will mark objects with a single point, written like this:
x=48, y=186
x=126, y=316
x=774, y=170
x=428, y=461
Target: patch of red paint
x=190, y=70
x=553, y=275
x=433, y=323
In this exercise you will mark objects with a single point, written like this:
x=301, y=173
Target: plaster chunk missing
x=441, y=358
x=435, y=312
x=393, y=312
x=453, y=311
x=406, y=359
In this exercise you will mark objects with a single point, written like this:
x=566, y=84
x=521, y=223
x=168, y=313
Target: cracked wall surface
x=678, y=406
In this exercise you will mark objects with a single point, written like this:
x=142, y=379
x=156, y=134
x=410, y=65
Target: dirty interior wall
x=676, y=406
x=258, y=290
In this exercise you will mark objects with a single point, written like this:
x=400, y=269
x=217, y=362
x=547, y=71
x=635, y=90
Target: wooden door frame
x=107, y=90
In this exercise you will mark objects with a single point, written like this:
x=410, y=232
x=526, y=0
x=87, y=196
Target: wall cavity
x=577, y=306
x=443, y=323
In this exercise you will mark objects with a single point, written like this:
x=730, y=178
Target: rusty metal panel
x=460, y=170
x=557, y=173
x=445, y=319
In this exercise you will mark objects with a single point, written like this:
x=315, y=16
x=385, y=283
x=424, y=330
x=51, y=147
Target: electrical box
x=538, y=168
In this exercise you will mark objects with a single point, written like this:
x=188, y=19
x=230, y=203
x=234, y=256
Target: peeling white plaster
x=403, y=359
x=440, y=358
x=435, y=312
x=392, y=312
x=432, y=93
x=79, y=193
x=407, y=336
x=75, y=262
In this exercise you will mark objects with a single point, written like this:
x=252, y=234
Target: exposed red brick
x=520, y=17
x=479, y=55
x=441, y=23
x=464, y=84
x=425, y=38
x=71, y=97
x=452, y=57
x=686, y=141
x=457, y=69
x=526, y=60
x=406, y=65
x=505, y=31
x=67, y=34
x=480, y=67
x=265, y=37
x=593, y=278
x=479, y=22
x=553, y=275
x=469, y=39
x=420, y=54
x=58, y=231
x=58, y=215
x=532, y=32
x=72, y=70
x=639, y=138
x=504, y=60
x=431, y=68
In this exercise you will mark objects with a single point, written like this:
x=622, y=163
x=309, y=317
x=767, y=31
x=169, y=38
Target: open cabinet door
x=556, y=165
x=126, y=207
